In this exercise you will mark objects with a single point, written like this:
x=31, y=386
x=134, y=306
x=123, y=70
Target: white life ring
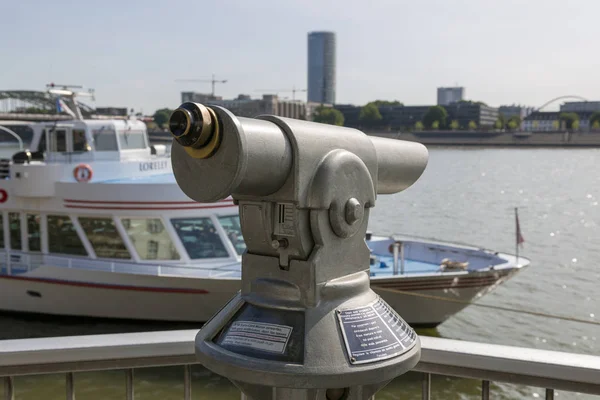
x=83, y=173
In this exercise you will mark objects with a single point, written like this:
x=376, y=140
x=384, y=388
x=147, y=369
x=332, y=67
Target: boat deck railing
x=19, y=262
x=488, y=363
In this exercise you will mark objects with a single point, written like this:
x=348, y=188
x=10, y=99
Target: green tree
x=435, y=113
x=380, y=103
x=514, y=122
x=498, y=124
x=454, y=125
x=575, y=125
x=161, y=117
x=328, y=115
x=595, y=118
x=502, y=120
x=596, y=125
x=569, y=119
x=472, y=125
x=435, y=125
x=555, y=125
x=370, y=114
x=34, y=110
x=419, y=126
x=480, y=103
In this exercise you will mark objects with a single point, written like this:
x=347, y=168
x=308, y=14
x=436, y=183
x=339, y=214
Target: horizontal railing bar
x=486, y=362
x=96, y=352
x=499, y=363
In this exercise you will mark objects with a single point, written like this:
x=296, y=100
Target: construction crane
x=212, y=81
x=277, y=91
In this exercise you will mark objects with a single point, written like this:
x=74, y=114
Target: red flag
x=520, y=238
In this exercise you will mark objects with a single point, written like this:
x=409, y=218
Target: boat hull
x=422, y=302
x=428, y=302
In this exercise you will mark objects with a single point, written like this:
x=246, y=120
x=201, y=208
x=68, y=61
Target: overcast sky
x=131, y=52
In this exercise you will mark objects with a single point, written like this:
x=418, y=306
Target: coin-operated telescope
x=306, y=324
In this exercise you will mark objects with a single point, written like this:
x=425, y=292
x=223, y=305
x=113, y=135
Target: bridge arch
x=567, y=96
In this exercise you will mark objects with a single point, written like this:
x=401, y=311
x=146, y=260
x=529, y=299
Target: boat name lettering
x=154, y=165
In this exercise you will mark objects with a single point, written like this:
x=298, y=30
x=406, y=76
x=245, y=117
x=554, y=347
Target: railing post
x=9, y=390
x=402, y=258
x=187, y=382
x=485, y=390
x=426, y=389
x=549, y=394
x=129, y=390
x=70, y=385
x=395, y=250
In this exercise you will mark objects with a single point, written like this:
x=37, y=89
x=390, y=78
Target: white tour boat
x=94, y=224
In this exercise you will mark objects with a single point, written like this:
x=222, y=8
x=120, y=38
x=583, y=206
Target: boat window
x=25, y=132
x=58, y=140
x=1, y=231
x=33, y=232
x=199, y=237
x=80, y=141
x=231, y=224
x=104, y=237
x=150, y=239
x=14, y=225
x=62, y=236
x=132, y=140
x=105, y=140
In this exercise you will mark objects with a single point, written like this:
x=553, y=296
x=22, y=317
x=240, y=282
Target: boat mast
x=65, y=90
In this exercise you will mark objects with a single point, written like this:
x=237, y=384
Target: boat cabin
x=89, y=140
x=95, y=194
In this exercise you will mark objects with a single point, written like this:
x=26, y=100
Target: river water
x=466, y=195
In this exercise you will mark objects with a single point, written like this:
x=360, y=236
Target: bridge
x=568, y=96
x=30, y=105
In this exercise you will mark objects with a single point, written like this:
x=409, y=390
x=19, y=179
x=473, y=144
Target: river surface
x=466, y=195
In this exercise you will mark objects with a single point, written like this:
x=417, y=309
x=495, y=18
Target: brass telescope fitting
x=196, y=128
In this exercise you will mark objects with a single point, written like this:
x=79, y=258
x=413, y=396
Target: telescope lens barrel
x=193, y=125
x=180, y=122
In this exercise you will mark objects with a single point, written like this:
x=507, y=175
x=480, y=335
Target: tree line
x=571, y=120
x=435, y=118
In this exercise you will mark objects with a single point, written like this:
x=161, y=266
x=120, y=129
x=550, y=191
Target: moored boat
x=94, y=224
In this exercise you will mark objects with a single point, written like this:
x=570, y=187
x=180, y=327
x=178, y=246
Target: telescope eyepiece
x=180, y=122
x=196, y=128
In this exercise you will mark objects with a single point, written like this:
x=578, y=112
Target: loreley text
x=154, y=165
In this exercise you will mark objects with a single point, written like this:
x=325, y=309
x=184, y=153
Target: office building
x=580, y=106
x=245, y=106
x=321, y=67
x=405, y=118
x=542, y=121
x=515, y=111
x=466, y=112
x=196, y=97
x=449, y=95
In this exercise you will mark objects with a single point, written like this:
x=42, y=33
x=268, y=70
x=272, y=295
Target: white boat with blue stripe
x=94, y=224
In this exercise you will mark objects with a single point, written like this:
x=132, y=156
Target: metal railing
x=17, y=262
x=486, y=362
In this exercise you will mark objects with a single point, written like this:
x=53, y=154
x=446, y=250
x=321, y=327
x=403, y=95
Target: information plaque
x=374, y=333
